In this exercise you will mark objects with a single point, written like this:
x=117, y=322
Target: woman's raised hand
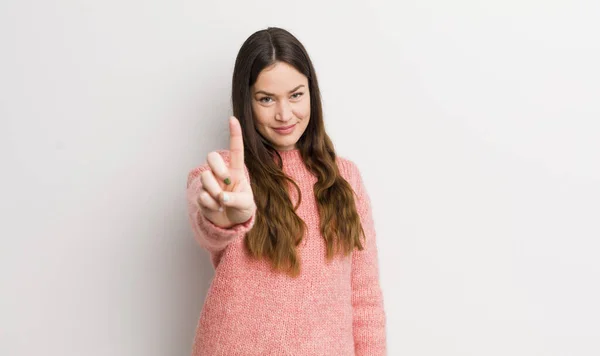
x=226, y=197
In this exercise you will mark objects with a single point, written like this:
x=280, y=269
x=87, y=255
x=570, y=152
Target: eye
x=297, y=95
x=262, y=100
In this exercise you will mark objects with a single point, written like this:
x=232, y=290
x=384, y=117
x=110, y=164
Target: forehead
x=279, y=78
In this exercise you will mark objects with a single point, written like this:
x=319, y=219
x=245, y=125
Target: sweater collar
x=290, y=156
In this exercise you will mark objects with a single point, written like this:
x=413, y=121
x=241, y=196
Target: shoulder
x=351, y=173
x=196, y=171
x=345, y=163
x=349, y=170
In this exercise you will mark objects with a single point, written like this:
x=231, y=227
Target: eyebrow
x=271, y=94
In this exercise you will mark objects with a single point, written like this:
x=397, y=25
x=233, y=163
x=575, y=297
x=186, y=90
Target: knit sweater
x=331, y=308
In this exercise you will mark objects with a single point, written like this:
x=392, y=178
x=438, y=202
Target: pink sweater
x=330, y=309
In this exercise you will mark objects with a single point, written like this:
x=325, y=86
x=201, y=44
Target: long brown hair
x=278, y=230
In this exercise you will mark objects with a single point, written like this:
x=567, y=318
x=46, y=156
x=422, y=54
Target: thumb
x=240, y=200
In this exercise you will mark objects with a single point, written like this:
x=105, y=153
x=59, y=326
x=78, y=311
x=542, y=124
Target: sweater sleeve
x=211, y=237
x=369, y=320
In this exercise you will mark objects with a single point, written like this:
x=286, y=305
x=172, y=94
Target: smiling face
x=281, y=105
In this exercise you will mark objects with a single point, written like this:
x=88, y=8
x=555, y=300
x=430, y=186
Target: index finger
x=236, y=144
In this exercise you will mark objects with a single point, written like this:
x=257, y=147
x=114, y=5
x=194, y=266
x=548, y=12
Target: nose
x=284, y=112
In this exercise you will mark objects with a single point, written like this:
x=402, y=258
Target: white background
x=474, y=123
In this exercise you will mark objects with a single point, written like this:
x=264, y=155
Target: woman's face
x=280, y=99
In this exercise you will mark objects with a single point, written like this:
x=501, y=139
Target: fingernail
x=225, y=197
x=220, y=208
x=227, y=181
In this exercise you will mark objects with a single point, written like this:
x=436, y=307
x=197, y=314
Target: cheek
x=302, y=110
x=261, y=114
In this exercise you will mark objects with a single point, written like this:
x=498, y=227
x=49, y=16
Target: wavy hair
x=278, y=230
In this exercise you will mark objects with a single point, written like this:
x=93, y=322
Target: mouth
x=284, y=130
x=284, y=127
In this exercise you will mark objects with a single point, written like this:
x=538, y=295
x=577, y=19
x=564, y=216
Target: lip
x=285, y=130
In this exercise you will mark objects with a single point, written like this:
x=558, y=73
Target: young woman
x=287, y=222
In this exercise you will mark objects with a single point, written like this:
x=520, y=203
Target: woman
x=287, y=222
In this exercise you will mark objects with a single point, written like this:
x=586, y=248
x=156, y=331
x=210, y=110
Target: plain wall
x=474, y=124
